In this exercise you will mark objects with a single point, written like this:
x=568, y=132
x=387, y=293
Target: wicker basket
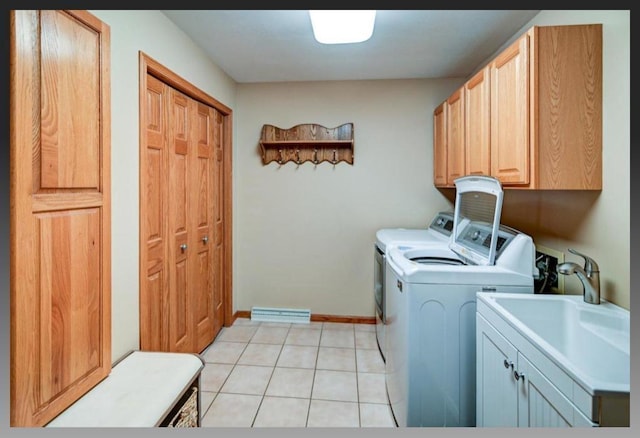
x=187, y=416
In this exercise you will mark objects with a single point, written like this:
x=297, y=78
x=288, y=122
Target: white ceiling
x=276, y=46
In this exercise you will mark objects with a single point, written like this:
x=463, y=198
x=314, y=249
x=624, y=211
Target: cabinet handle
x=517, y=375
x=508, y=363
x=205, y=239
x=183, y=246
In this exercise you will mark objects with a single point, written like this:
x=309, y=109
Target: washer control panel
x=443, y=223
x=478, y=236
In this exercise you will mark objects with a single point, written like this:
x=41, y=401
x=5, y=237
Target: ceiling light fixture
x=341, y=27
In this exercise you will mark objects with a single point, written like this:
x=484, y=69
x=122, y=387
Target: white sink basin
x=590, y=341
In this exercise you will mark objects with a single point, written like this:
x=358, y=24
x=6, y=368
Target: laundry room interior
x=293, y=229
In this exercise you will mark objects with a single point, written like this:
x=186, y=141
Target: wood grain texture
x=307, y=142
x=60, y=211
x=440, y=145
x=477, y=124
x=189, y=129
x=569, y=106
x=70, y=103
x=455, y=136
x=510, y=146
x=154, y=283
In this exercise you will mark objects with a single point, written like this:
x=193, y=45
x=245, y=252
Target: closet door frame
x=149, y=66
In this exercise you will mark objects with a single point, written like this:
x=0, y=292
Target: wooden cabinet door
x=455, y=136
x=440, y=145
x=510, y=158
x=60, y=211
x=477, y=108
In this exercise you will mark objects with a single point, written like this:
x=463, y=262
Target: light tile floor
x=321, y=374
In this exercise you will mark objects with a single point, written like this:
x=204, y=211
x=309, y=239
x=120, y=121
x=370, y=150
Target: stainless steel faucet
x=589, y=276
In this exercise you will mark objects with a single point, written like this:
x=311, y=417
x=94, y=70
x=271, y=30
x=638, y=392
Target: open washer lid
x=479, y=201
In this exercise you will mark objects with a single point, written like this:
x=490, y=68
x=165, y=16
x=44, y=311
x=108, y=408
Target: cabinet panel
x=510, y=113
x=569, y=106
x=455, y=136
x=496, y=402
x=60, y=211
x=69, y=304
x=477, y=123
x=541, y=404
x=70, y=102
x=440, y=145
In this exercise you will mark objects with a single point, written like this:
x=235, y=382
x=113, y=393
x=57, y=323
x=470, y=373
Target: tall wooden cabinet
x=181, y=222
x=545, y=111
x=60, y=210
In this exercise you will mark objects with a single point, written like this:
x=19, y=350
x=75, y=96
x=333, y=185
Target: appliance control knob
x=475, y=235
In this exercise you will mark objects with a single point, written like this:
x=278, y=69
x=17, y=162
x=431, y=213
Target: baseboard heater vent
x=280, y=315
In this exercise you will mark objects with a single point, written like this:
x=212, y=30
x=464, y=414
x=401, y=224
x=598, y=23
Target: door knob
x=205, y=239
x=183, y=246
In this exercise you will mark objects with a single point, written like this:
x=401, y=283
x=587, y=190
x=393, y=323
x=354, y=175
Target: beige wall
x=154, y=34
x=304, y=236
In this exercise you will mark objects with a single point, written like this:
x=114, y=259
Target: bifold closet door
x=60, y=211
x=180, y=222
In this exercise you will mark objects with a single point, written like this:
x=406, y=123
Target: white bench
x=144, y=389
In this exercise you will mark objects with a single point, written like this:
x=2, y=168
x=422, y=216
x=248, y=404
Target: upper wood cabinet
x=440, y=145
x=455, y=137
x=477, y=107
x=545, y=111
x=60, y=210
x=510, y=142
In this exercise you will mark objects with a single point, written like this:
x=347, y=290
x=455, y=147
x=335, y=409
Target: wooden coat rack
x=307, y=142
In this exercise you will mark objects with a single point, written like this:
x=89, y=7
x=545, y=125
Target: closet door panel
x=218, y=215
x=180, y=321
x=154, y=291
x=203, y=185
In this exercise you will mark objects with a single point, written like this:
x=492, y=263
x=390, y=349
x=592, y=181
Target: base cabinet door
x=496, y=389
x=512, y=392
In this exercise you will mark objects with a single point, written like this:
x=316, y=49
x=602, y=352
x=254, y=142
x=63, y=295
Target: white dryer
x=431, y=305
x=438, y=232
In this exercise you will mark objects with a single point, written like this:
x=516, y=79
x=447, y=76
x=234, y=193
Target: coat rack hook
x=280, y=157
x=315, y=156
x=298, y=156
x=335, y=157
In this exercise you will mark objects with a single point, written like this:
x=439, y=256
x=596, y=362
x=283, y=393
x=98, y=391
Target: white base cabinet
x=518, y=386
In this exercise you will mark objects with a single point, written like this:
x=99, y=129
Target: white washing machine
x=438, y=233
x=431, y=304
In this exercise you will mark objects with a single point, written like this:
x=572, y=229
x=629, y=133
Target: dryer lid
x=476, y=220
